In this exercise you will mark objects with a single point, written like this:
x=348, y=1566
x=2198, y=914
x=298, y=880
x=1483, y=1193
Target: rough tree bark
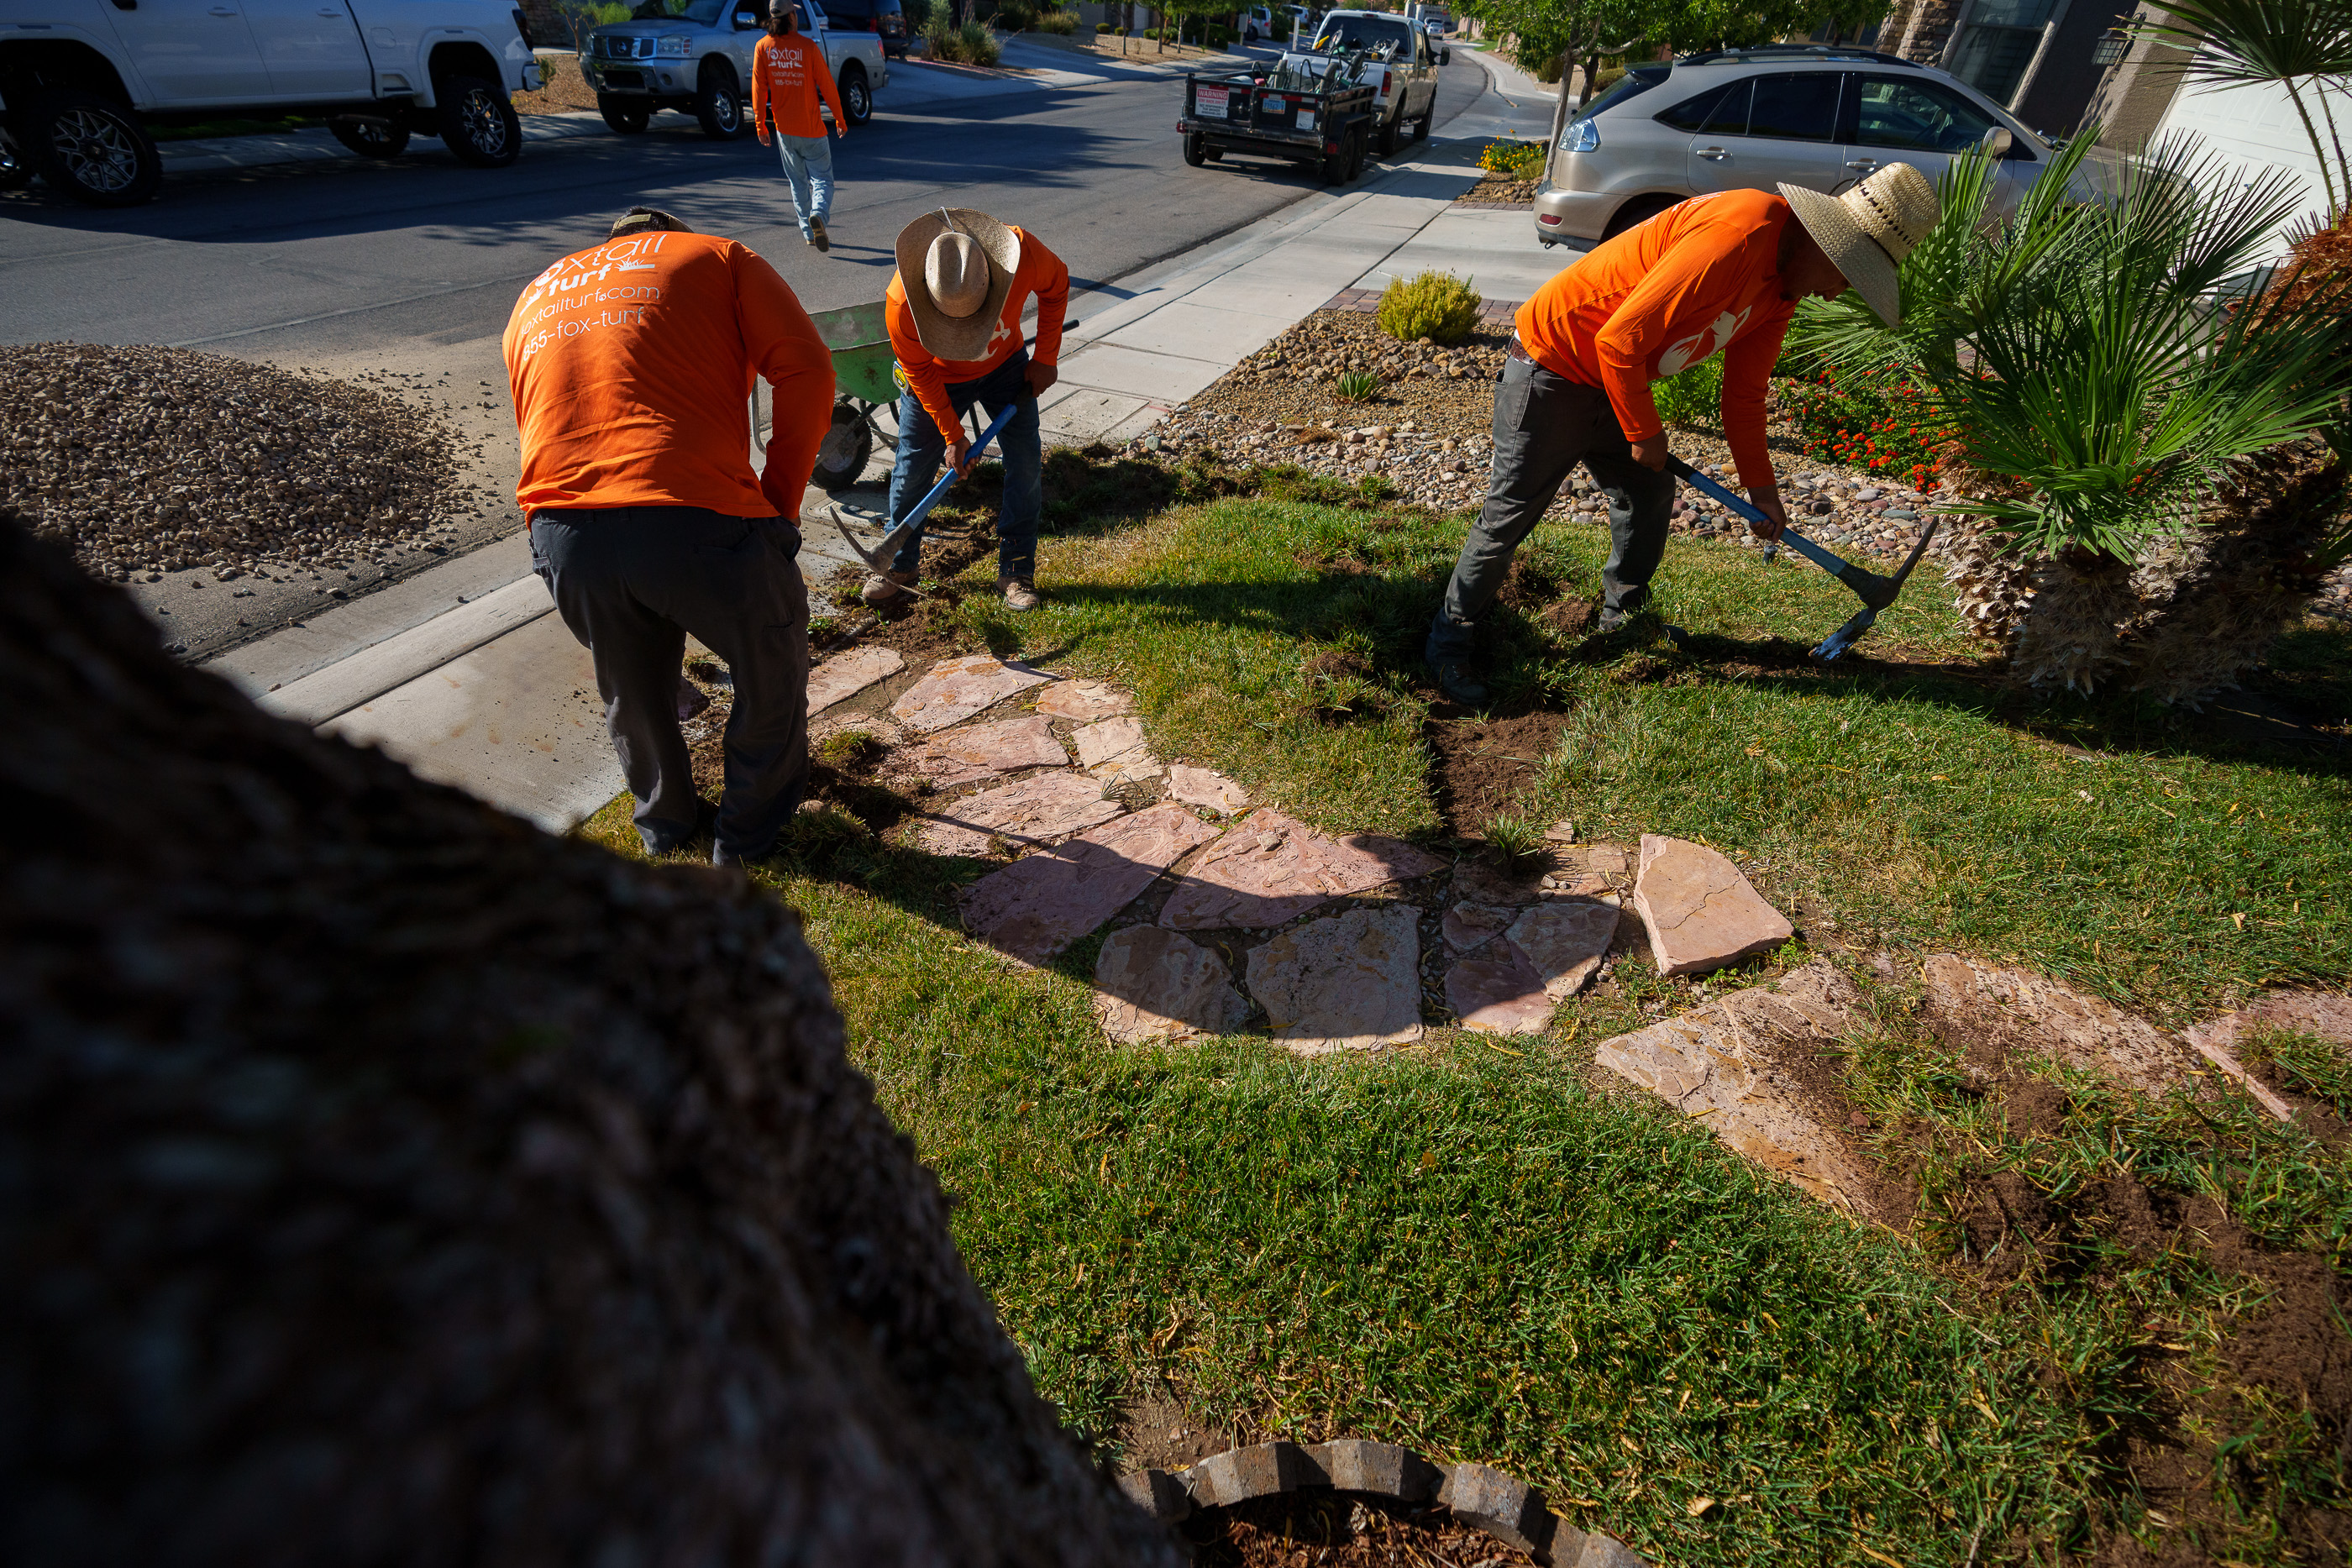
x=387, y=1182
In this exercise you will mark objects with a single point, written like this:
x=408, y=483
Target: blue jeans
x=921, y=450
x=808, y=164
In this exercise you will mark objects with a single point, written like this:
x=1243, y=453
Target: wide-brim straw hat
x=950, y=337
x=1868, y=230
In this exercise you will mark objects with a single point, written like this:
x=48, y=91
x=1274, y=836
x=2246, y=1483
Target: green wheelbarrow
x=862, y=383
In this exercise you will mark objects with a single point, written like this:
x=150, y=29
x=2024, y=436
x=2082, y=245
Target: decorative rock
x=983, y=751
x=1350, y=1464
x=846, y=674
x=1347, y=983
x=1574, y=1548
x=1151, y=984
x=1205, y=786
x=1498, y=992
x=1083, y=700
x=1238, y=1474
x=1246, y=880
x=1718, y=1061
x=1560, y=832
x=1471, y=925
x=1565, y=939
x=2003, y=1009
x=1509, y=1510
x=1033, y=811
x=955, y=689
x=1700, y=912
x=1605, y=860
x=1159, y=1494
x=1041, y=903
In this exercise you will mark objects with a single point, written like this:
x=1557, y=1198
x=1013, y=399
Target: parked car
x=82, y=82
x=1257, y=22
x=695, y=56
x=886, y=19
x=1434, y=29
x=1818, y=116
x=1396, y=61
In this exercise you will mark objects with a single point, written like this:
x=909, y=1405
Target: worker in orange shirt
x=1719, y=274
x=953, y=311
x=788, y=77
x=631, y=362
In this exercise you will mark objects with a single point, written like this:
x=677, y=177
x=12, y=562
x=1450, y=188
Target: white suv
x=1754, y=119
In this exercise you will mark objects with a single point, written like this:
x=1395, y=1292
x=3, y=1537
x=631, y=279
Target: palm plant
x=2303, y=45
x=2131, y=443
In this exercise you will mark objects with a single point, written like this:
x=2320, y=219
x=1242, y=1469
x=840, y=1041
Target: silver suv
x=1752, y=118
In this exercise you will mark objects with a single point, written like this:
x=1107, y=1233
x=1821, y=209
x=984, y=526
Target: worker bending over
x=1719, y=274
x=953, y=311
x=631, y=362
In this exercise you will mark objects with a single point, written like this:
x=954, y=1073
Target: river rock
x=1151, y=984
x=1204, y=787
x=1498, y=992
x=1700, y=911
x=1036, y=811
x=1351, y=982
x=955, y=689
x=1041, y=903
x=847, y=674
x=1270, y=868
x=1565, y=939
x=1084, y=701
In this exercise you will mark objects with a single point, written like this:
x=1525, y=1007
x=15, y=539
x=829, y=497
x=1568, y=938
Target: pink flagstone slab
x=983, y=751
x=1565, y=940
x=1350, y=982
x=1498, y=992
x=1041, y=903
x=1151, y=984
x=1701, y=913
x=1269, y=869
x=955, y=689
x=1113, y=750
x=1204, y=787
x=846, y=674
x=2007, y=1011
x=1083, y=700
x=1467, y=925
x=1036, y=811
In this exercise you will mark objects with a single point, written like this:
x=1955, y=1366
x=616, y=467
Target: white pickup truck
x=696, y=56
x=1398, y=65
x=81, y=79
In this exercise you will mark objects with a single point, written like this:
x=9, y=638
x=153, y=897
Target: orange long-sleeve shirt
x=631, y=361
x=788, y=75
x=1698, y=279
x=1041, y=273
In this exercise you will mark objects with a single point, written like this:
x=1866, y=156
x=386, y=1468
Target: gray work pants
x=631, y=582
x=1545, y=424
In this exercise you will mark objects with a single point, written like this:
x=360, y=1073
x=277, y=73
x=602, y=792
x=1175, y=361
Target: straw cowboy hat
x=1870, y=229
x=958, y=267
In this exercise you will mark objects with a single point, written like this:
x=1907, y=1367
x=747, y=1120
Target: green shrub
x=1015, y=18
x=1061, y=22
x=1101, y=27
x=971, y=44
x=1218, y=35
x=1436, y=305
x=1544, y=68
x=1692, y=397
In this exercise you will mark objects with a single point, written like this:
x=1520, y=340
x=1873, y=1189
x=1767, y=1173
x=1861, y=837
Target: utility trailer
x=1310, y=110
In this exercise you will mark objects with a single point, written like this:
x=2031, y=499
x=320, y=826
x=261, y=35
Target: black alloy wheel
x=479, y=122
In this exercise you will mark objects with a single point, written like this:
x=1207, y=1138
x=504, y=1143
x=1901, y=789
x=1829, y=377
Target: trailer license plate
x=1305, y=120
x=1212, y=101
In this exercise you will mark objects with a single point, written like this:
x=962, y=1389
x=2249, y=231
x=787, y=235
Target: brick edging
x=1506, y=1509
x=1367, y=301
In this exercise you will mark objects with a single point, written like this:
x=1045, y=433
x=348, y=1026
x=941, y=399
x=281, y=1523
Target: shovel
x=1876, y=592
x=879, y=558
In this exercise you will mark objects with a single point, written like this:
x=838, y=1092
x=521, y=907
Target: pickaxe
x=1876, y=592
x=879, y=558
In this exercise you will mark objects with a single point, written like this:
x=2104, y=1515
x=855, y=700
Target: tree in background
x=1548, y=35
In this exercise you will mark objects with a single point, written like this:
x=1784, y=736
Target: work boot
x=1455, y=679
x=817, y=237
x=721, y=856
x=1019, y=593
x=884, y=589
x=1611, y=622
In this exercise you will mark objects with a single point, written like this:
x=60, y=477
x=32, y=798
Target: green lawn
x=1468, y=1247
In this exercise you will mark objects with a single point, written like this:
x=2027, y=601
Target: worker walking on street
x=954, y=311
x=789, y=76
x=630, y=361
x=1719, y=274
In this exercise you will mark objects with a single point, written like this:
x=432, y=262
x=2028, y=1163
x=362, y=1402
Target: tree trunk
x=391, y=1183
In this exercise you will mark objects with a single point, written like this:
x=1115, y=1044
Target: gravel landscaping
x=146, y=460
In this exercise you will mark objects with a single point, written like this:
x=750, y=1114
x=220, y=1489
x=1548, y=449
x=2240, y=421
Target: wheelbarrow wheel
x=848, y=442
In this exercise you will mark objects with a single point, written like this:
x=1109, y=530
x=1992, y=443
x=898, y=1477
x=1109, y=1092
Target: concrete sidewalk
x=465, y=674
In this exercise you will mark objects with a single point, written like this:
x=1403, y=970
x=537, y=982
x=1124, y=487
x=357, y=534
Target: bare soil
x=564, y=89
x=1483, y=770
x=1341, y=1529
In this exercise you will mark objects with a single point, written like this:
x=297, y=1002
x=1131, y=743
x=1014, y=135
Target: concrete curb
x=1503, y=1507
x=402, y=657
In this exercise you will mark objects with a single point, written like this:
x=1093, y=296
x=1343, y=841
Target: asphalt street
x=408, y=269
